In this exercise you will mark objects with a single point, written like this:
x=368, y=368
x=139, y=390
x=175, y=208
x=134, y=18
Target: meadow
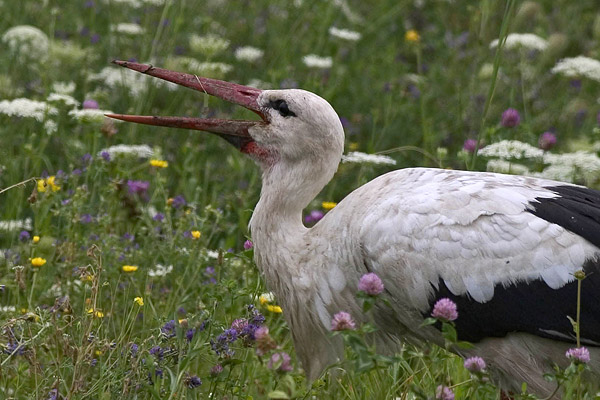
x=125, y=259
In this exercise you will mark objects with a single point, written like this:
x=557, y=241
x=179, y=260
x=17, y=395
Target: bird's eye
x=282, y=107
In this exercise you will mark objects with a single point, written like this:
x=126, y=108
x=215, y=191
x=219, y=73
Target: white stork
x=503, y=248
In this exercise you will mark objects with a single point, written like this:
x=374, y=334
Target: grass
x=71, y=327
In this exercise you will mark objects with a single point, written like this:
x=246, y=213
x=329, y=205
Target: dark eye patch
x=282, y=107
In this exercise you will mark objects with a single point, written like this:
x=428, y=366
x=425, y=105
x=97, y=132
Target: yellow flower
x=266, y=298
x=274, y=309
x=98, y=353
x=129, y=268
x=159, y=163
x=352, y=146
x=328, y=205
x=196, y=234
x=139, y=301
x=43, y=184
x=97, y=313
x=412, y=36
x=170, y=201
x=38, y=261
x=36, y=239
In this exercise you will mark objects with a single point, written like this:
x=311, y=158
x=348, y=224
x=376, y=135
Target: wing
x=504, y=248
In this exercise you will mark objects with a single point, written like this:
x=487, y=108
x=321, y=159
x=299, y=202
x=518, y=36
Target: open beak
x=234, y=131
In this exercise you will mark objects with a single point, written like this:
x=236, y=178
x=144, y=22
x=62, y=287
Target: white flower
x=27, y=41
x=138, y=3
x=89, y=115
x=140, y=151
x=525, y=40
x=160, y=270
x=572, y=166
x=27, y=108
x=212, y=253
x=204, y=68
x=314, y=61
x=64, y=87
x=344, y=34
x=267, y=297
x=560, y=173
x=136, y=83
x=7, y=309
x=507, y=149
x=127, y=29
x=257, y=83
x=363, y=158
x=248, y=53
x=12, y=225
x=50, y=126
x=63, y=98
x=208, y=44
x=578, y=67
x=506, y=167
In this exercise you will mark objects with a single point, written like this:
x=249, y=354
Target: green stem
x=578, y=311
x=35, y=274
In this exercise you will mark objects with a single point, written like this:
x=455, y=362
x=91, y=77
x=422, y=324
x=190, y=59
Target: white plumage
x=505, y=248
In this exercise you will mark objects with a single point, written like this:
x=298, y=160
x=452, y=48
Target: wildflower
x=43, y=184
x=507, y=149
x=129, y=268
x=168, y=329
x=177, y=202
x=248, y=245
x=266, y=298
x=89, y=115
x=127, y=28
x=344, y=34
x=578, y=67
x=314, y=216
x=139, y=301
x=510, y=118
x=138, y=187
x=24, y=236
x=210, y=44
x=280, y=362
x=522, y=40
x=328, y=205
x=315, y=61
x=507, y=167
x=86, y=219
x=64, y=87
x=371, y=284
x=36, y=239
x=189, y=334
x=38, y=261
x=475, y=364
x=93, y=362
x=445, y=309
x=364, y=158
x=444, y=393
x=248, y=53
x=16, y=224
x=26, y=108
x=470, y=145
x=139, y=151
x=158, y=217
x=216, y=370
x=578, y=355
x=160, y=270
x=196, y=234
x=342, y=321
x=192, y=381
x=90, y=104
x=547, y=140
x=96, y=313
x=159, y=163
x=63, y=98
x=27, y=41
x=412, y=36
x=157, y=352
x=239, y=324
x=274, y=309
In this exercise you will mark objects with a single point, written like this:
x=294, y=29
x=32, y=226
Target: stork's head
x=296, y=127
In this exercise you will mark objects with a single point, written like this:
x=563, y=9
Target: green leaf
x=429, y=321
x=278, y=394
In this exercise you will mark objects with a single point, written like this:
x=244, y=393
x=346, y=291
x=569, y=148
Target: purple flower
x=86, y=158
x=239, y=325
x=158, y=352
x=547, y=140
x=192, y=381
x=76, y=172
x=24, y=236
x=261, y=333
x=90, y=104
x=445, y=309
x=128, y=237
x=371, y=284
x=470, y=145
x=314, y=216
x=138, y=187
x=189, y=334
x=93, y=362
x=216, y=370
x=444, y=393
x=280, y=362
x=342, y=321
x=168, y=329
x=159, y=217
x=134, y=350
x=86, y=219
x=578, y=355
x=105, y=156
x=178, y=202
x=475, y=364
x=95, y=38
x=510, y=118
x=53, y=394
x=248, y=245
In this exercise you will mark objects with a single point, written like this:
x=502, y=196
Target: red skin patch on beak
x=259, y=153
